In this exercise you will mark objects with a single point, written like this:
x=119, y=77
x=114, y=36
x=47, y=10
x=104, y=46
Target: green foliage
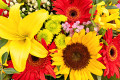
x=102, y=31
x=10, y=71
x=3, y=42
x=112, y=78
x=4, y=57
x=39, y=1
x=111, y=7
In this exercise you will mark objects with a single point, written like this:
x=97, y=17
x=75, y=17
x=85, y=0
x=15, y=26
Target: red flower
x=4, y=12
x=75, y=10
x=119, y=1
x=36, y=67
x=111, y=54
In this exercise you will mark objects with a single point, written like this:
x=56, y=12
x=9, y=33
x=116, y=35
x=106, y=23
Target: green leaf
x=58, y=67
x=111, y=7
x=39, y=1
x=3, y=42
x=92, y=11
x=58, y=76
x=114, y=1
x=2, y=76
x=112, y=78
x=10, y=71
x=104, y=42
x=99, y=77
x=4, y=57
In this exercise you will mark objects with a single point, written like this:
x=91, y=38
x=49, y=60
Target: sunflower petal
x=72, y=73
x=81, y=34
x=75, y=38
x=37, y=49
x=19, y=51
x=32, y=23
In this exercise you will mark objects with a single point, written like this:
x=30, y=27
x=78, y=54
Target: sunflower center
x=76, y=56
x=112, y=53
x=73, y=13
x=35, y=61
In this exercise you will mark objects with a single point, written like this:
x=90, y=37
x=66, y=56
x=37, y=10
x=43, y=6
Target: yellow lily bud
x=3, y=5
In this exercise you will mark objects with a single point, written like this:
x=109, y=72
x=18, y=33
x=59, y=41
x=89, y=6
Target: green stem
x=39, y=2
x=1, y=72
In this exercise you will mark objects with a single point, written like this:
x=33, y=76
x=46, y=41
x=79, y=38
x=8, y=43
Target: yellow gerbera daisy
x=79, y=58
x=20, y=35
x=107, y=18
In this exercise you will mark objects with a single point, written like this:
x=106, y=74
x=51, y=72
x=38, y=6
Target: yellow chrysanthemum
x=60, y=41
x=79, y=57
x=20, y=35
x=46, y=35
x=107, y=18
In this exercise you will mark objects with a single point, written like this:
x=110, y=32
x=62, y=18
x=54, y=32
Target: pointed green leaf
x=10, y=71
x=3, y=42
x=4, y=57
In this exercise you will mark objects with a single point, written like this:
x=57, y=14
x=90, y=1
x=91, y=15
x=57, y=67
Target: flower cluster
x=59, y=39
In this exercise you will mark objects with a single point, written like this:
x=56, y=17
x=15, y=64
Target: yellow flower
x=107, y=18
x=20, y=34
x=79, y=57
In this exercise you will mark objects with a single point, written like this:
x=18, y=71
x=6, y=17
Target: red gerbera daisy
x=4, y=12
x=75, y=10
x=111, y=54
x=36, y=67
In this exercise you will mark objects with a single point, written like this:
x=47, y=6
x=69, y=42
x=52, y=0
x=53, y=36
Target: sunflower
x=107, y=18
x=75, y=10
x=79, y=57
x=111, y=54
x=36, y=67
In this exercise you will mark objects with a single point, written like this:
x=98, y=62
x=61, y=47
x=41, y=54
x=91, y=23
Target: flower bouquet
x=59, y=40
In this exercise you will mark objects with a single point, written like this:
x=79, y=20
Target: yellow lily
x=20, y=35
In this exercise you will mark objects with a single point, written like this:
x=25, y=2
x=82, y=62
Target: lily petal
x=19, y=51
x=8, y=29
x=14, y=14
x=37, y=49
x=32, y=23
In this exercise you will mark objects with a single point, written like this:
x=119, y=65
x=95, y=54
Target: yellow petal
x=68, y=40
x=94, y=70
x=72, y=75
x=99, y=64
x=14, y=14
x=37, y=49
x=58, y=63
x=65, y=76
x=87, y=38
x=75, y=38
x=58, y=58
x=31, y=24
x=85, y=74
x=88, y=74
x=19, y=51
x=8, y=30
x=64, y=69
x=78, y=75
x=81, y=34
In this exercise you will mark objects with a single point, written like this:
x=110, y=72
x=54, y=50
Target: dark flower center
x=76, y=56
x=73, y=13
x=113, y=22
x=112, y=53
x=35, y=61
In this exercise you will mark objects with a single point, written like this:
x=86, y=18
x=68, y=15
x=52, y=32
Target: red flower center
x=72, y=13
x=112, y=53
x=35, y=61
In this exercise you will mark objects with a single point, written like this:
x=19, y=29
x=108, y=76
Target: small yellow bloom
x=20, y=35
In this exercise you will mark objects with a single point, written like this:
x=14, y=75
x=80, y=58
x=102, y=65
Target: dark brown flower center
x=35, y=61
x=112, y=53
x=76, y=56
